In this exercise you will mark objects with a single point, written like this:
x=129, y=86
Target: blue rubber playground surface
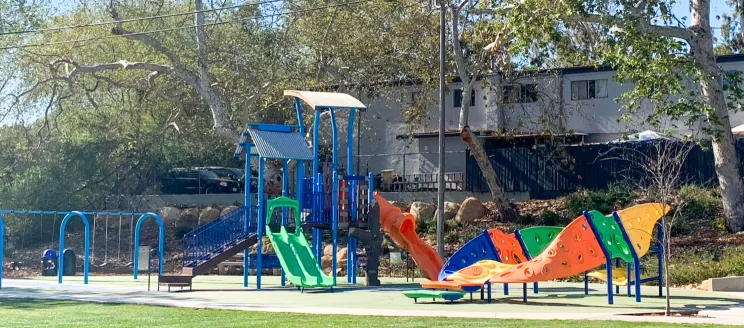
x=555, y=300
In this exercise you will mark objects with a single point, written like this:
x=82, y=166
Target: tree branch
x=607, y=20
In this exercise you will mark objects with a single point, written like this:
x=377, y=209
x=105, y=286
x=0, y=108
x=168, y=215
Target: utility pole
x=442, y=68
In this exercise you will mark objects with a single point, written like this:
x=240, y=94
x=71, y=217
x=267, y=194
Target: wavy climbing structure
x=573, y=251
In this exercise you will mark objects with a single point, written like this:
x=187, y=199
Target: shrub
x=605, y=200
x=526, y=219
x=426, y=226
x=550, y=218
x=692, y=266
x=700, y=203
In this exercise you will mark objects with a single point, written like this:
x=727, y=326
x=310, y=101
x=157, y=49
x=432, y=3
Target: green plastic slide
x=294, y=253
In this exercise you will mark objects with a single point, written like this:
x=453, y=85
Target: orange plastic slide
x=402, y=228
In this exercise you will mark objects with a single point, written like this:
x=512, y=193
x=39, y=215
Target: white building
x=578, y=101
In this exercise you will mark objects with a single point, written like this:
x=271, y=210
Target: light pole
x=440, y=179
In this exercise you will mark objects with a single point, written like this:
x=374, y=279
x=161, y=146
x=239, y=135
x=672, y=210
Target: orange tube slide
x=402, y=229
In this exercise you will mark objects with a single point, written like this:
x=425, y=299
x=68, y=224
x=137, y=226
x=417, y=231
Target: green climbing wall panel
x=536, y=239
x=611, y=236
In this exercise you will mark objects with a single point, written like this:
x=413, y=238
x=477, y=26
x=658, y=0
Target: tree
x=672, y=67
x=732, y=29
x=470, y=65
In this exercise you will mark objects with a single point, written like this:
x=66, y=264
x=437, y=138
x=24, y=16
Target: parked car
x=234, y=174
x=196, y=181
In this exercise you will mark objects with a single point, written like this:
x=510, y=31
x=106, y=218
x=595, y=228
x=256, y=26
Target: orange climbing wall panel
x=573, y=251
x=507, y=246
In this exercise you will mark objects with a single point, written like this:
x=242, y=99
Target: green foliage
x=426, y=226
x=551, y=218
x=700, y=203
x=605, y=200
x=694, y=265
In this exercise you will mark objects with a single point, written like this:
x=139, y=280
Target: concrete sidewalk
x=719, y=309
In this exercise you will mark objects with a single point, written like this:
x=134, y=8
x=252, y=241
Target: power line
x=138, y=19
x=33, y=45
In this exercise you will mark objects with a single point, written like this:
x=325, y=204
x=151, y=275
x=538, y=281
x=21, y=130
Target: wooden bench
x=175, y=281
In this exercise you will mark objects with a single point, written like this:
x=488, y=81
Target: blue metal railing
x=210, y=239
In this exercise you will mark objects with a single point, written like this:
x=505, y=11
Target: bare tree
x=658, y=170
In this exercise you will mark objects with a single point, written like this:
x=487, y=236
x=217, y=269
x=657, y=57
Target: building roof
x=323, y=100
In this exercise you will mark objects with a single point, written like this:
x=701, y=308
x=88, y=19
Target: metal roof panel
x=280, y=145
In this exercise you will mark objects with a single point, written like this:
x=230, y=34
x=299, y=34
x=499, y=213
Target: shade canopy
x=321, y=100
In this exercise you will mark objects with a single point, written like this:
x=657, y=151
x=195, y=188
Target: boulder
x=470, y=210
x=267, y=247
x=189, y=218
x=326, y=262
x=341, y=254
x=421, y=210
x=228, y=210
x=328, y=250
x=208, y=214
x=169, y=215
x=450, y=210
x=401, y=205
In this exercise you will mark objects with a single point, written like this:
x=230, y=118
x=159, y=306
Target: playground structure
x=322, y=200
x=548, y=253
x=87, y=232
x=327, y=199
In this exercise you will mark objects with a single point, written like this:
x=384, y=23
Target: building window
x=588, y=89
x=457, y=98
x=519, y=93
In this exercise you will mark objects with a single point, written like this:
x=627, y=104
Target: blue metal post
x=298, y=109
x=161, y=239
x=86, y=246
x=636, y=261
x=627, y=274
x=586, y=284
x=617, y=265
x=316, y=148
x=318, y=213
x=608, y=261
x=285, y=192
x=247, y=210
x=535, y=288
x=259, y=220
x=2, y=247
x=334, y=191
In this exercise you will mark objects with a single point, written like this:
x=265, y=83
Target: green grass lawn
x=49, y=313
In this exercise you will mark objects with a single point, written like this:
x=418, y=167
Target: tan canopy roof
x=319, y=100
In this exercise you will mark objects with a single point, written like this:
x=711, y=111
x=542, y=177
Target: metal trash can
x=49, y=263
x=70, y=263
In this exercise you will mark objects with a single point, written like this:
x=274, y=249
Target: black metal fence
x=548, y=172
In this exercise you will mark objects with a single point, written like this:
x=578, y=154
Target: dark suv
x=195, y=181
x=234, y=174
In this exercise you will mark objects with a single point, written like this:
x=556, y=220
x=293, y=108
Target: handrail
x=201, y=244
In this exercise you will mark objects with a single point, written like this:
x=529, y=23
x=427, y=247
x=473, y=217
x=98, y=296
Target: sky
x=680, y=9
